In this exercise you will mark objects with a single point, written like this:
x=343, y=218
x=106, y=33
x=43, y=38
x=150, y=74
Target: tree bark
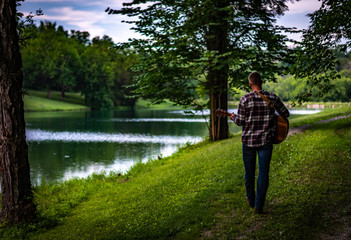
x=49, y=92
x=217, y=78
x=62, y=93
x=218, y=100
x=16, y=194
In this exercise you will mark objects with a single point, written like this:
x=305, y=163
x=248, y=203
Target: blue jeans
x=264, y=159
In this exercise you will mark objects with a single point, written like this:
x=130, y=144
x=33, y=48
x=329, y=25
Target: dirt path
x=303, y=128
x=341, y=227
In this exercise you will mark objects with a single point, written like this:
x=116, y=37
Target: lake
x=63, y=145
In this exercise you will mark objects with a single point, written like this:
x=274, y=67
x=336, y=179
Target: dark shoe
x=258, y=211
x=250, y=204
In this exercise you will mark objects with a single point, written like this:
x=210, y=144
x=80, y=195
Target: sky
x=90, y=15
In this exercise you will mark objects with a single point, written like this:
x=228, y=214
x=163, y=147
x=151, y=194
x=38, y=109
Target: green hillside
x=38, y=101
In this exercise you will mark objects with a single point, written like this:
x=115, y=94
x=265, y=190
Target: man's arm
x=232, y=116
x=239, y=119
x=281, y=108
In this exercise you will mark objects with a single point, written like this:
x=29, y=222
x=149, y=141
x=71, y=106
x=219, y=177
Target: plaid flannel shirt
x=257, y=118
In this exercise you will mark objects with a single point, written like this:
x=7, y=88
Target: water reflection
x=41, y=135
x=234, y=110
x=304, y=112
x=55, y=161
x=156, y=120
x=63, y=145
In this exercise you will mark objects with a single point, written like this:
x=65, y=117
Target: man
x=258, y=127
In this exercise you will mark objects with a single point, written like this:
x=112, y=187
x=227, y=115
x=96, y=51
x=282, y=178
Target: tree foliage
x=208, y=45
x=58, y=60
x=341, y=92
x=316, y=61
x=99, y=74
x=50, y=59
x=331, y=23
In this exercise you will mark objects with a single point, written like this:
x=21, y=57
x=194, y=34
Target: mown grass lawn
x=198, y=193
x=69, y=97
x=37, y=101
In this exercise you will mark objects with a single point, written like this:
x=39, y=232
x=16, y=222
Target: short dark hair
x=255, y=79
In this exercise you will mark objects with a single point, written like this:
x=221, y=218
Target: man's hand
x=232, y=116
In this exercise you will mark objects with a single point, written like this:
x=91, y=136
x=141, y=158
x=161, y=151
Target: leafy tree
x=123, y=61
x=39, y=58
x=331, y=23
x=221, y=40
x=57, y=60
x=316, y=60
x=341, y=92
x=82, y=41
x=16, y=194
x=69, y=65
x=81, y=37
x=287, y=87
x=26, y=26
x=98, y=74
x=50, y=59
x=107, y=74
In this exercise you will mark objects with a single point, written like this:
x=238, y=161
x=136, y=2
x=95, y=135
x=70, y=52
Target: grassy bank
x=38, y=101
x=198, y=193
x=143, y=103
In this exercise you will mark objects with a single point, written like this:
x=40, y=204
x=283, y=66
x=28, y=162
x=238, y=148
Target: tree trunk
x=218, y=100
x=62, y=93
x=16, y=194
x=217, y=78
x=49, y=92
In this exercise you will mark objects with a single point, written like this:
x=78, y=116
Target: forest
x=102, y=72
x=54, y=59
x=340, y=92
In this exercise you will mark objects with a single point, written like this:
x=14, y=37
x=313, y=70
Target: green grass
x=70, y=97
x=145, y=103
x=307, y=105
x=37, y=101
x=325, y=114
x=323, y=104
x=198, y=193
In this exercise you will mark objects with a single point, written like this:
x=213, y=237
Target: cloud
x=82, y=3
x=90, y=15
x=83, y=15
x=82, y=20
x=303, y=6
x=49, y=1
